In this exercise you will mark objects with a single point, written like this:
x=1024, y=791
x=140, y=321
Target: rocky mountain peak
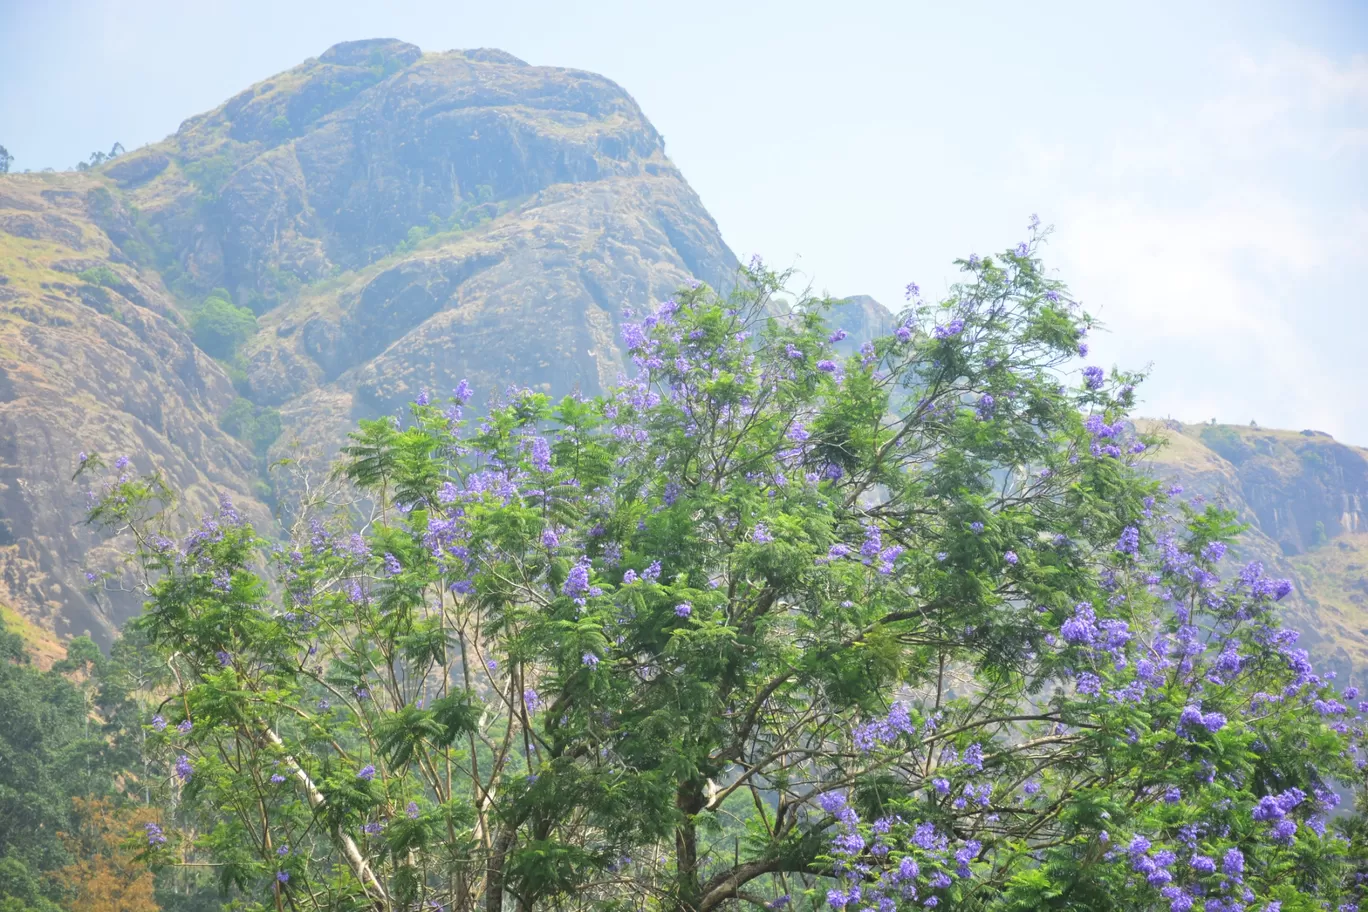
x=370, y=51
x=389, y=220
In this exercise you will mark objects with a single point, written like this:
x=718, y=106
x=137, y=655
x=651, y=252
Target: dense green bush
x=256, y=426
x=219, y=326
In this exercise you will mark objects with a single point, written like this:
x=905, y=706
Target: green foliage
x=284, y=281
x=63, y=735
x=257, y=426
x=219, y=326
x=5, y=160
x=102, y=276
x=211, y=172
x=99, y=158
x=470, y=213
x=757, y=623
x=382, y=64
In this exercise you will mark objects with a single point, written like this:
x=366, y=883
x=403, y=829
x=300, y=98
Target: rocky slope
x=93, y=356
x=398, y=220
x=1303, y=496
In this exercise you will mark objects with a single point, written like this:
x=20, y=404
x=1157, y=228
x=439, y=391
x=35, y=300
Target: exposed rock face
x=105, y=368
x=400, y=220
x=332, y=163
x=1303, y=496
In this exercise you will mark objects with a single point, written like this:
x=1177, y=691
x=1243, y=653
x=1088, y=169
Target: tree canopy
x=761, y=626
x=219, y=326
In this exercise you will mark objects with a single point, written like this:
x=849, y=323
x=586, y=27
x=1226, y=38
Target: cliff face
x=398, y=220
x=93, y=356
x=1302, y=495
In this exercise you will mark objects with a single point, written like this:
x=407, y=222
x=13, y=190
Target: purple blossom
x=831, y=802
x=683, y=609
x=1284, y=831
x=1129, y=543
x=577, y=581
x=953, y=328
x=1093, y=377
x=1081, y=628
x=589, y=660
x=183, y=768
x=367, y=773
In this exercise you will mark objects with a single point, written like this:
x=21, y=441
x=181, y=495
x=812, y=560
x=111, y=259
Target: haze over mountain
x=379, y=221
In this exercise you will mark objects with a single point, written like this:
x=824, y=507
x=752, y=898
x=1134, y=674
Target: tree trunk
x=494, y=882
x=688, y=890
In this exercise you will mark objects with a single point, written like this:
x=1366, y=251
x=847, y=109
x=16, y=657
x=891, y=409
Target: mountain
x=373, y=222
x=377, y=221
x=1304, y=497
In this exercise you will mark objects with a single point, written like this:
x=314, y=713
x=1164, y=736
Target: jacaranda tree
x=764, y=625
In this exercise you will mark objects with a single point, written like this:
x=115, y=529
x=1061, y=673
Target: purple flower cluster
x=885, y=730
x=1192, y=718
x=949, y=330
x=577, y=582
x=183, y=769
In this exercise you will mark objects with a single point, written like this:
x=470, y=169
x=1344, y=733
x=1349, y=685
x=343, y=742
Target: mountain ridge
x=397, y=220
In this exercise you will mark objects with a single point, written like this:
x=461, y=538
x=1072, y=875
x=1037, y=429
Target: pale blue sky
x=1205, y=163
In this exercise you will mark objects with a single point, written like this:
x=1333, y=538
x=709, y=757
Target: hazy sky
x=1205, y=163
